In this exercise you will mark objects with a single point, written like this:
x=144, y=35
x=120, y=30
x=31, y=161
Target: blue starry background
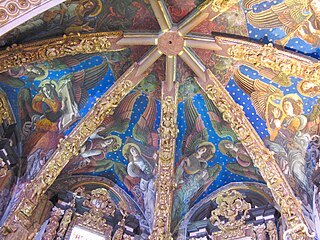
x=225, y=177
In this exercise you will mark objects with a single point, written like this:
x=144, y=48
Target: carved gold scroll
x=263, y=159
x=6, y=114
x=70, y=146
x=24, y=54
x=270, y=57
x=164, y=184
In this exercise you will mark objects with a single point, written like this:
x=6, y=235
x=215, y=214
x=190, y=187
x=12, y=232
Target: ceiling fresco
x=50, y=98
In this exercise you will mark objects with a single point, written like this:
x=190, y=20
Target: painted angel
x=92, y=156
x=141, y=154
x=42, y=116
x=243, y=165
x=285, y=123
x=220, y=126
x=193, y=174
x=297, y=17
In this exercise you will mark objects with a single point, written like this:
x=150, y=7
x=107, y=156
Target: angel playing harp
x=297, y=18
x=286, y=125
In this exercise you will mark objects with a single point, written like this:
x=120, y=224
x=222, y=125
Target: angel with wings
x=141, y=154
x=296, y=17
x=286, y=125
x=193, y=175
x=92, y=157
x=45, y=116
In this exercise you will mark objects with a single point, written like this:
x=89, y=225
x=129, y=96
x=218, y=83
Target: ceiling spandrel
x=50, y=98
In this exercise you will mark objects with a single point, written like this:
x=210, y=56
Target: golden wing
x=261, y=94
x=289, y=14
x=275, y=76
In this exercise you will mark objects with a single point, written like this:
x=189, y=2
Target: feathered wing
x=25, y=106
x=220, y=126
x=250, y=172
x=11, y=81
x=288, y=14
x=313, y=125
x=144, y=129
x=261, y=94
x=75, y=60
x=196, y=132
x=119, y=121
x=248, y=4
x=86, y=79
x=275, y=76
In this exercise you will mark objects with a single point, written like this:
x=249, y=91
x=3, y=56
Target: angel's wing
x=261, y=94
x=313, y=125
x=196, y=132
x=275, y=76
x=86, y=79
x=119, y=121
x=220, y=126
x=288, y=14
x=25, y=106
x=144, y=129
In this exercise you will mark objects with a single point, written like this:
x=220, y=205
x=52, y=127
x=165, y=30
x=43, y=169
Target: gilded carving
x=222, y=5
x=164, y=184
x=230, y=204
x=277, y=60
x=70, y=146
x=100, y=204
x=64, y=223
x=272, y=231
x=51, y=229
x=262, y=157
x=18, y=55
x=5, y=111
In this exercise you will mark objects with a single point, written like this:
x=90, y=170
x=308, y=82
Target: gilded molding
x=164, y=183
x=231, y=204
x=24, y=54
x=70, y=146
x=6, y=114
x=270, y=57
x=64, y=223
x=263, y=159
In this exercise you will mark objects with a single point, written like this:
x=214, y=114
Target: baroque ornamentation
x=64, y=223
x=164, y=184
x=51, y=229
x=262, y=157
x=18, y=55
x=270, y=57
x=5, y=111
x=70, y=146
x=100, y=204
x=230, y=204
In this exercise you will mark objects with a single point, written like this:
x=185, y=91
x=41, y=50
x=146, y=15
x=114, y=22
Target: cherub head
x=308, y=88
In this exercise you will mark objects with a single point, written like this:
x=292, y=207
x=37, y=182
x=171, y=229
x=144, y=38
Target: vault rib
x=70, y=146
x=263, y=159
x=24, y=54
x=162, y=15
x=168, y=132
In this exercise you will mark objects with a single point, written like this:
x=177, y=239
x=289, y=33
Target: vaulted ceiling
x=151, y=94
